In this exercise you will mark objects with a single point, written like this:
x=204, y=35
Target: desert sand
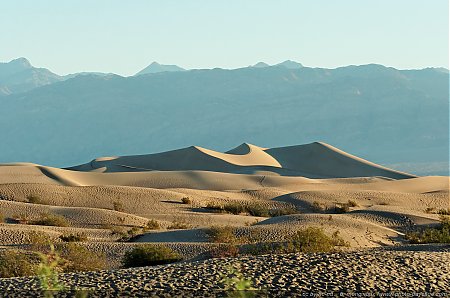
x=313, y=179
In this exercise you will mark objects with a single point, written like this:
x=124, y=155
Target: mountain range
x=379, y=113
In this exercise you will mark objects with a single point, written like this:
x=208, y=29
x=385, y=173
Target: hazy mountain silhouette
x=379, y=113
x=290, y=64
x=155, y=67
x=19, y=75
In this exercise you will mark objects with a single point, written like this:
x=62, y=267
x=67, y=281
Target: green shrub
x=51, y=220
x=78, y=258
x=186, y=200
x=178, y=225
x=34, y=199
x=440, y=234
x=18, y=263
x=149, y=255
x=222, y=234
x=151, y=225
x=81, y=237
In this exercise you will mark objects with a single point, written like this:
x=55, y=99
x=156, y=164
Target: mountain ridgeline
x=379, y=113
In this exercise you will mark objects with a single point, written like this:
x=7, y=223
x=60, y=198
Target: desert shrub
x=282, y=211
x=178, y=224
x=429, y=210
x=186, y=200
x=256, y=209
x=78, y=258
x=151, y=225
x=234, y=208
x=39, y=241
x=352, y=203
x=18, y=263
x=215, y=207
x=80, y=237
x=149, y=255
x=21, y=218
x=118, y=206
x=236, y=284
x=312, y=239
x=383, y=203
x=34, y=199
x=440, y=234
x=318, y=207
x=48, y=270
x=444, y=211
x=224, y=251
x=342, y=208
x=222, y=234
x=51, y=220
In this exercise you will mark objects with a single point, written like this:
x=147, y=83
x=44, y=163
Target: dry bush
x=47, y=219
x=178, y=225
x=222, y=234
x=444, y=211
x=34, y=199
x=152, y=225
x=78, y=258
x=186, y=200
x=318, y=207
x=18, y=263
x=80, y=237
x=440, y=234
x=224, y=251
x=352, y=203
x=342, y=208
x=118, y=206
x=150, y=255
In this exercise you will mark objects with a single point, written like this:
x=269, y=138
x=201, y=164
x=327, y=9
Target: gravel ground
x=420, y=269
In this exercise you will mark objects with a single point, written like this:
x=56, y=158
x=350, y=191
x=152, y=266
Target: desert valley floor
x=371, y=207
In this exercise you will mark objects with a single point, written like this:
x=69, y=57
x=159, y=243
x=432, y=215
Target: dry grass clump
x=186, y=200
x=444, y=211
x=440, y=234
x=34, y=199
x=118, y=206
x=342, y=208
x=222, y=234
x=51, y=220
x=150, y=255
x=178, y=225
x=318, y=207
x=352, y=203
x=151, y=225
x=80, y=237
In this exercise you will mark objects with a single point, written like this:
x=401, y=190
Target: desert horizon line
x=259, y=64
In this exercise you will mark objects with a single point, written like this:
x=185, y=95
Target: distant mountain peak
x=261, y=65
x=155, y=67
x=290, y=64
x=20, y=63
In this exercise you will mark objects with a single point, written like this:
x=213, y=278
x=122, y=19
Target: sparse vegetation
x=34, y=199
x=178, y=225
x=342, y=208
x=18, y=263
x=440, y=234
x=118, y=206
x=236, y=284
x=80, y=237
x=151, y=225
x=352, y=203
x=222, y=234
x=318, y=207
x=21, y=218
x=253, y=209
x=186, y=200
x=78, y=258
x=444, y=211
x=48, y=270
x=224, y=251
x=51, y=220
x=429, y=210
x=150, y=255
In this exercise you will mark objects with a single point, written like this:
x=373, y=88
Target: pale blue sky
x=123, y=37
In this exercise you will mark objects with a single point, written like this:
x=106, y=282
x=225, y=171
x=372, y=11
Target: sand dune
x=315, y=160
